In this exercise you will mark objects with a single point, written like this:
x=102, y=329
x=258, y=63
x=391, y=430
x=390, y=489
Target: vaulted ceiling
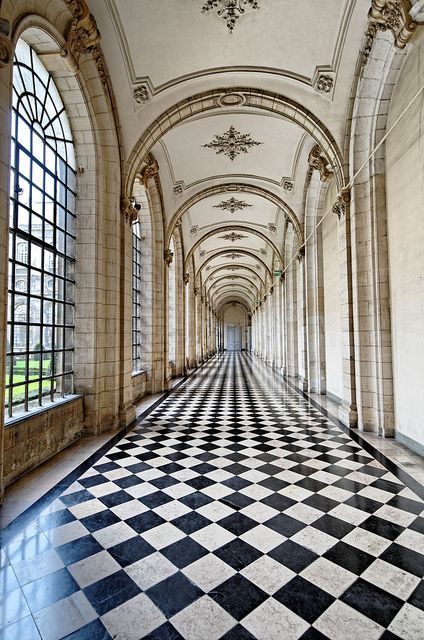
x=232, y=169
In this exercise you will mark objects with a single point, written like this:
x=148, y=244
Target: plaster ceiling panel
x=217, y=210
x=165, y=39
x=192, y=163
x=233, y=241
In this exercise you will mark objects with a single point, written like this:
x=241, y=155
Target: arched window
x=42, y=240
x=136, y=298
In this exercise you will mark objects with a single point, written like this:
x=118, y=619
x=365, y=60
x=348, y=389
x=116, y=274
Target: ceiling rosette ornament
x=230, y=10
x=232, y=237
x=232, y=205
x=232, y=143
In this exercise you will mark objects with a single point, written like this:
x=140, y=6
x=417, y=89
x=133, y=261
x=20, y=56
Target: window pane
x=38, y=346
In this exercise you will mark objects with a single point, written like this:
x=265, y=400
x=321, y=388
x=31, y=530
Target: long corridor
x=234, y=510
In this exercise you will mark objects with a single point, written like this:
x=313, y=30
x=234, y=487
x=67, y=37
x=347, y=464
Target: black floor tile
x=304, y=598
x=173, y=594
x=293, y=556
x=131, y=550
x=53, y=587
x=238, y=554
x=372, y=601
x=111, y=592
x=349, y=557
x=238, y=596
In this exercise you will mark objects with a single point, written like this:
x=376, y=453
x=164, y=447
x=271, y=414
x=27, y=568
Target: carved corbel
x=186, y=278
x=271, y=291
x=317, y=160
x=128, y=210
x=169, y=256
x=84, y=36
x=343, y=200
x=196, y=291
x=6, y=47
x=151, y=170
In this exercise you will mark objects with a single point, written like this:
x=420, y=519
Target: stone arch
x=252, y=99
x=237, y=227
x=225, y=251
x=222, y=267
x=368, y=222
x=236, y=188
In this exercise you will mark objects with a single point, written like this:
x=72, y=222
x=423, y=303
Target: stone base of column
x=126, y=415
x=303, y=384
x=348, y=415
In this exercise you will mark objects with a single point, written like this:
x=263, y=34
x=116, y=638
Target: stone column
x=347, y=410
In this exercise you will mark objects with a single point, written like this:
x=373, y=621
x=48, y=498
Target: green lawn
x=33, y=387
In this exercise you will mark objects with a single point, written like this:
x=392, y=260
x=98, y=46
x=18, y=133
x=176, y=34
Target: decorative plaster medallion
x=258, y=266
x=194, y=230
x=234, y=256
x=141, y=94
x=324, y=83
x=288, y=185
x=232, y=205
x=263, y=252
x=229, y=10
x=232, y=237
x=232, y=143
x=232, y=100
x=178, y=189
x=272, y=227
x=202, y=253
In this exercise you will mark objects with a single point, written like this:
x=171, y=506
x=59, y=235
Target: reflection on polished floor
x=234, y=510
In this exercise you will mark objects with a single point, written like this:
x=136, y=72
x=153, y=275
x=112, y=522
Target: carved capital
x=84, y=36
x=6, y=47
x=343, y=200
x=186, y=278
x=300, y=254
x=393, y=15
x=317, y=160
x=169, y=256
x=151, y=170
x=128, y=210
x=388, y=15
x=196, y=291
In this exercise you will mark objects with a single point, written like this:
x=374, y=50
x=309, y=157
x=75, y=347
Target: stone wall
x=139, y=385
x=32, y=440
x=405, y=202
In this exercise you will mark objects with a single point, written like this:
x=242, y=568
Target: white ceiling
x=176, y=51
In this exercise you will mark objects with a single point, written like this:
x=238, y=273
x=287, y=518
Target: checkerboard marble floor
x=235, y=510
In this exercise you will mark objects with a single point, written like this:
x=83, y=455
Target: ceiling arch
x=227, y=251
x=223, y=267
x=231, y=280
x=233, y=188
x=226, y=99
x=233, y=227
